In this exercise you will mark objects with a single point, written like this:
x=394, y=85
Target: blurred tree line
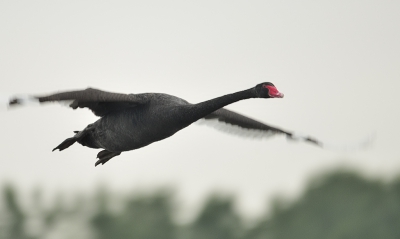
x=337, y=205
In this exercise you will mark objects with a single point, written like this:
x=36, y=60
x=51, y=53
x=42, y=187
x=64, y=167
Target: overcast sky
x=337, y=62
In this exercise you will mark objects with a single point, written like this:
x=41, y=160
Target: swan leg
x=65, y=144
x=78, y=135
x=104, y=156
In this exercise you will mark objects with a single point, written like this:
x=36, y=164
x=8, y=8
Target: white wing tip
x=364, y=144
x=8, y=101
x=24, y=100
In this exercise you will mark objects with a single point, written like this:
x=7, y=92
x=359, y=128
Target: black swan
x=132, y=121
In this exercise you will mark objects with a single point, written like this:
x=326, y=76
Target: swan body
x=132, y=121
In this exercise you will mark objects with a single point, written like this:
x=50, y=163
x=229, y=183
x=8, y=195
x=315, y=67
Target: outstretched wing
x=253, y=127
x=98, y=101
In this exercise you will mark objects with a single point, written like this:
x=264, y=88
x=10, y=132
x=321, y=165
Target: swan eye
x=273, y=92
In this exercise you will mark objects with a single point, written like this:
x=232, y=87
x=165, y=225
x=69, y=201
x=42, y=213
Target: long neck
x=200, y=110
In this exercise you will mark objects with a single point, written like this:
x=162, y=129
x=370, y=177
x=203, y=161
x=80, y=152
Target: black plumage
x=132, y=121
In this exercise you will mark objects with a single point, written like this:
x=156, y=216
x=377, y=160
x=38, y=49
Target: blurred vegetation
x=337, y=205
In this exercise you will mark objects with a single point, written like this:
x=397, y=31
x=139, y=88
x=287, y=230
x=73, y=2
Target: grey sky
x=336, y=61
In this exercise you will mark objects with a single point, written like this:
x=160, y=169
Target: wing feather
x=256, y=128
x=98, y=101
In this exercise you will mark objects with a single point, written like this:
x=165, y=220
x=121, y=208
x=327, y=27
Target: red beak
x=273, y=92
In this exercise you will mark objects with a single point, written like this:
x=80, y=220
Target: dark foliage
x=338, y=205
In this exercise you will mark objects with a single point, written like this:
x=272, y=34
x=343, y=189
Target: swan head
x=267, y=90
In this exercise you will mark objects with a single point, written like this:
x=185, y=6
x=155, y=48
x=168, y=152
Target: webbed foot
x=104, y=156
x=66, y=143
x=78, y=135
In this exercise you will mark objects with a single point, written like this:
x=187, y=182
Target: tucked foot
x=66, y=143
x=104, y=156
x=78, y=136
